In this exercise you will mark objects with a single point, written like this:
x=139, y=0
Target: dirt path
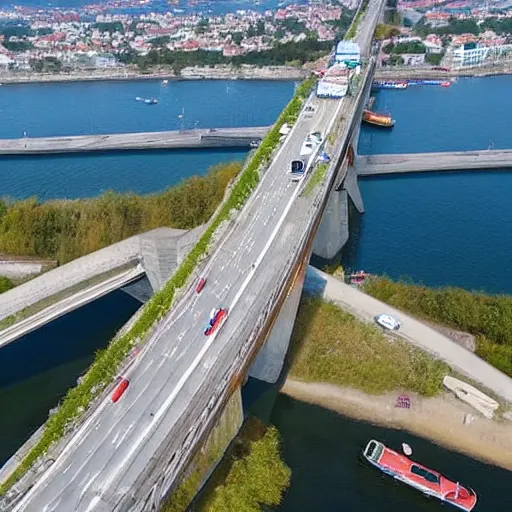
x=440, y=419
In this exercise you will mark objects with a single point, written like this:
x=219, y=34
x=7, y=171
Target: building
x=473, y=54
x=347, y=51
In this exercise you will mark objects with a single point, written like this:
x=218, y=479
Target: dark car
x=217, y=318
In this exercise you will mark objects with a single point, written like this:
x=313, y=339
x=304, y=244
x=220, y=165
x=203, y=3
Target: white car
x=388, y=322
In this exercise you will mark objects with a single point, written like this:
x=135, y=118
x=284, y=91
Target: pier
x=374, y=165
x=186, y=139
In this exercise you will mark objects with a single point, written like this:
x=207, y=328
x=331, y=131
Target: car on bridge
x=298, y=169
x=200, y=285
x=217, y=318
x=120, y=389
x=388, y=322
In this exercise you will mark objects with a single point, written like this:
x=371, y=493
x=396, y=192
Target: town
x=111, y=37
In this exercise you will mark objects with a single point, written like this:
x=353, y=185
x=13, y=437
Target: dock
x=374, y=165
x=186, y=139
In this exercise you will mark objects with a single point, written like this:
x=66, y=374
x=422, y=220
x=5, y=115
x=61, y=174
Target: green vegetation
x=5, y=284
x=488, y=317
x=257, y=479
x=106, y=363
x=316, y=178
x=300, y=52
x=18, y=46
x=65, y=230
x=434, y=59
x=383, y=31
x=46, y=65
x=111, y=27
x=409, y=47
x=455, y=27
x=329, y=345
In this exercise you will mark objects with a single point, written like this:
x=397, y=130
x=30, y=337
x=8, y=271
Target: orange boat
x=415, y=475
x=378, y=119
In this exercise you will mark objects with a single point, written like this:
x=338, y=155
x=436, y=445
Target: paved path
x=68, y=304
x=443, y=161
x=219, y=137
x=366, y=308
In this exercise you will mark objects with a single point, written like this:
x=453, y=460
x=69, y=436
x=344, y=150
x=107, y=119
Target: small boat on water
x=429, y=482
x=390, y=84
x=378, y=119
x=165, y=82
x=147, y=101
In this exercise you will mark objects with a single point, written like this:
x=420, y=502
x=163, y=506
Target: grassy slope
x=329, y=345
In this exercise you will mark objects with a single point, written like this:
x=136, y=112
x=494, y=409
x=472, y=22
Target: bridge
x=374, y=165
x=139, y=266
x=129, y=456
x=185, y=139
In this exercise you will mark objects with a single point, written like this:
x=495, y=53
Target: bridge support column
x=351, y=186
x=269, y=362
x=332, y=233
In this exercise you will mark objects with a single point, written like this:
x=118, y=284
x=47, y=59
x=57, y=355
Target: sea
x=439, y=228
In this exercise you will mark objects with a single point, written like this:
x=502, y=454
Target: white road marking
x=170, y=399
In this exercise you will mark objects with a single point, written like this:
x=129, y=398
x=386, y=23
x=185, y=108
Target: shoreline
x=276, y=73
x=428, y=73
x=439, y=419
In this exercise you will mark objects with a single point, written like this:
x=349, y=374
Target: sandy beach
x=440, y=419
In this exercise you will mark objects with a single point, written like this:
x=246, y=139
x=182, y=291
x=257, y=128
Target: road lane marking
x=184, y=378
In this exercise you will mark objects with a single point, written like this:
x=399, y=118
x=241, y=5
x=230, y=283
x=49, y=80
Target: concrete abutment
x=269, y=362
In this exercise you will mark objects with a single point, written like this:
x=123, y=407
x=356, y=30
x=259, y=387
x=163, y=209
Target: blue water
x=110, y=107
x=445, y=228
x=38, y=369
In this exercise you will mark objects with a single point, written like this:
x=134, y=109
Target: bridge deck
x=424, y=162
x=220, y=137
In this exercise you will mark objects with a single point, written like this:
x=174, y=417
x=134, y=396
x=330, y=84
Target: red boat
x=446, y=84
x=415, y=475
x=217, y=318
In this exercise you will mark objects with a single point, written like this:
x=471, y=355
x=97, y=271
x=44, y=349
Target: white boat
x=481, y=402
x=165, y=82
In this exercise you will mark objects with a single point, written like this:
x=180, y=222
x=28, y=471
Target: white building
x=4, y=62
x=347, y=51
x=468, y=56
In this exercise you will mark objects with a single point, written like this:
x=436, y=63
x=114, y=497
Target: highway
x=207, y=138
x=68, y=304
x=375, y=165
x=180, y=376
x=366, y=308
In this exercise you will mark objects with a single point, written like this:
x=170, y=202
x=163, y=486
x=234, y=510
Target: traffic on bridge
x=181, y=377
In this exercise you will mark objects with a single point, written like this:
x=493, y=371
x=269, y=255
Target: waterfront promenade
x=375, y=165
x=207, y=138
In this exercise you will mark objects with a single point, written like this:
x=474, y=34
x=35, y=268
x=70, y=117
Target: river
x=411, y=224
x=43, y=110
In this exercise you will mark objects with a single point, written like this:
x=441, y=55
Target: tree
x=237, y=38
x=260, y=28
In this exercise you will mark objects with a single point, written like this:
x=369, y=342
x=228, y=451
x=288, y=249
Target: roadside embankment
x=439, y=418
x=487, y=317
x=244, y=72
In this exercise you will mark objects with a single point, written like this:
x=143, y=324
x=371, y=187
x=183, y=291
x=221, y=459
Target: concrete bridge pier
x=140, y=290
x=333, y=232
x=269, y=362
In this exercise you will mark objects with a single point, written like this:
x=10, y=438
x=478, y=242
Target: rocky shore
x=441, y=418
x=244, y=72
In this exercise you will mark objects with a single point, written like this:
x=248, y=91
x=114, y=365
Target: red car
x=200, y=285
x=120, y=389
x=217, y=318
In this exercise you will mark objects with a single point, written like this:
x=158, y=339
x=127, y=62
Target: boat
x=151, y=101
x=378, y=119
x=429, y=482
x=165, y=82
x=390, y=84
x=446, y=84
